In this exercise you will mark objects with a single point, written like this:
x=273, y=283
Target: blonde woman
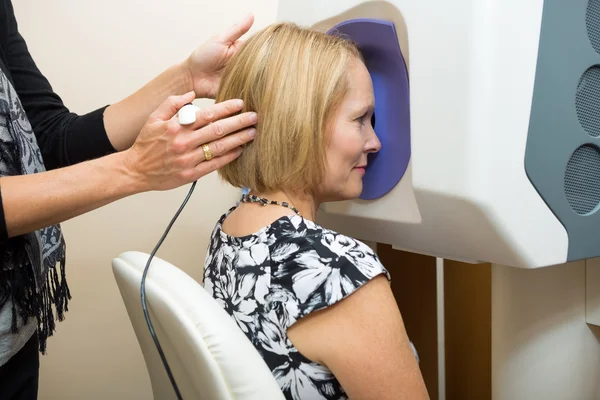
x=316, y=304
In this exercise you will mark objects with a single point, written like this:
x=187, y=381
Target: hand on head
x=207, y=62
x=167, y=154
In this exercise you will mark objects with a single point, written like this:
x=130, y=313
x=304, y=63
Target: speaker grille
x=587, y=101
x=592, y=22
x=582, y=180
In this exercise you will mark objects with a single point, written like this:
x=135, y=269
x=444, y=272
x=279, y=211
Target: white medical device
x=489, y=117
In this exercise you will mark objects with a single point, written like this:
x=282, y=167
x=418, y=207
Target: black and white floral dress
x=268, y=280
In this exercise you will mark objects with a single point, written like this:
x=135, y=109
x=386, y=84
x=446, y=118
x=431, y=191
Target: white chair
x=209, y=356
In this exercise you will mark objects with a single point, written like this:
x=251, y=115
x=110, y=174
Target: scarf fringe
x=18, y=284
x=29, y=276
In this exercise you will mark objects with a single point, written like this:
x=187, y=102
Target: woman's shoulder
x=317, y=267
x=299, y=243
x=309, y=235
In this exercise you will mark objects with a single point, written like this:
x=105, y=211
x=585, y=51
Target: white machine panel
x=478, y=106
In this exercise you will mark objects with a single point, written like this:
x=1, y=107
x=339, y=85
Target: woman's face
x=351, y=138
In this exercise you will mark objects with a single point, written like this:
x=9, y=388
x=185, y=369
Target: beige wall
x=95, y=53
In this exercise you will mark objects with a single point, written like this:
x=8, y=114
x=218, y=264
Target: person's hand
x=207, y=62
x=167, y=155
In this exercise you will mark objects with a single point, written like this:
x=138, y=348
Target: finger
x=222, y=128
x=206, y=167
x=238, y=45
x=236, y=31
x=206, y=115
x=222, y=146
x=171, y=105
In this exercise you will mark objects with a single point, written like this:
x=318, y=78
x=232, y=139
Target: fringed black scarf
x=32, y=266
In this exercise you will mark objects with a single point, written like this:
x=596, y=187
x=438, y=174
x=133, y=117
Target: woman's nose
x=373, y=144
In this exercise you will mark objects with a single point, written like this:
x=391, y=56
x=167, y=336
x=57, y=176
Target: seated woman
x=316, y=304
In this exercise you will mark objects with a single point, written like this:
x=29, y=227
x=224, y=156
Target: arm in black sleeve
x=65, y=138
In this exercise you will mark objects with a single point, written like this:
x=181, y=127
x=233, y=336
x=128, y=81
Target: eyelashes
x=362, y=118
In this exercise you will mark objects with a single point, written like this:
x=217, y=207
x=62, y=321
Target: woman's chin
x=355, y=191
x=349, y=195
x=350, y=192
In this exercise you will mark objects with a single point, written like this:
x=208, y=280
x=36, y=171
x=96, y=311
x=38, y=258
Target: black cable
x=143, y=292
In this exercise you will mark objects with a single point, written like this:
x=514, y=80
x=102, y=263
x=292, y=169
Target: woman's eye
x=373, y=120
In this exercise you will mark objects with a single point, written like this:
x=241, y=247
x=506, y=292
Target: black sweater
x=64, y=138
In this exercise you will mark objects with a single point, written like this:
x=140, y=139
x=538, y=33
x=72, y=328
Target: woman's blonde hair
x=294, y=78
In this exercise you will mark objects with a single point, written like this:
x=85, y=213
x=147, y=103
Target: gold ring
x=207, y=153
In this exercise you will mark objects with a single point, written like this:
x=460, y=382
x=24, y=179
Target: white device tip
x=187, y=114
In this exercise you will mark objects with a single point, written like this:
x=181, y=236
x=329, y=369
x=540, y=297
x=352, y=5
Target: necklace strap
x=250, y=198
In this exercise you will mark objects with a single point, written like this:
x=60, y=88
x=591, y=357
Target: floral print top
x=268, y=280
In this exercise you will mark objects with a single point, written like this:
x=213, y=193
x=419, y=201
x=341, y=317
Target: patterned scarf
x=29, y=264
